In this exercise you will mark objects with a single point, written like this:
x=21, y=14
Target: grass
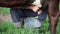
x=4, y=11
x=9, y=28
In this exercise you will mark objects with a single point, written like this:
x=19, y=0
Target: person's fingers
x=39, y=12
x=35, y=8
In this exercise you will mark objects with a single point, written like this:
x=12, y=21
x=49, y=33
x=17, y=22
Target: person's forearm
x=34, y=8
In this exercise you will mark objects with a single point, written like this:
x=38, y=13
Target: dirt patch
x=5, y=18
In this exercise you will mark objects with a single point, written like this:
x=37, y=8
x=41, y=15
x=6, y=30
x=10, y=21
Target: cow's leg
x=53, y=15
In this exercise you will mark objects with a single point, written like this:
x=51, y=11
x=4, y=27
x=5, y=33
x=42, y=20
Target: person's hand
x=35, y=9
x=39, y=12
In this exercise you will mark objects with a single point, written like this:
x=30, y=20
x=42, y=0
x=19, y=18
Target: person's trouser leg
x=15, y=17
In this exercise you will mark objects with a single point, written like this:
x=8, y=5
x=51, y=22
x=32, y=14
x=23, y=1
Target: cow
x=53, y=9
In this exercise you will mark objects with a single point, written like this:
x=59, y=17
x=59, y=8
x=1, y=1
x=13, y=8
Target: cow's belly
x=37, y=3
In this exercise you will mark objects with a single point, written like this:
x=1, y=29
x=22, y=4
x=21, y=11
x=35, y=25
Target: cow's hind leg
x=53, y=15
